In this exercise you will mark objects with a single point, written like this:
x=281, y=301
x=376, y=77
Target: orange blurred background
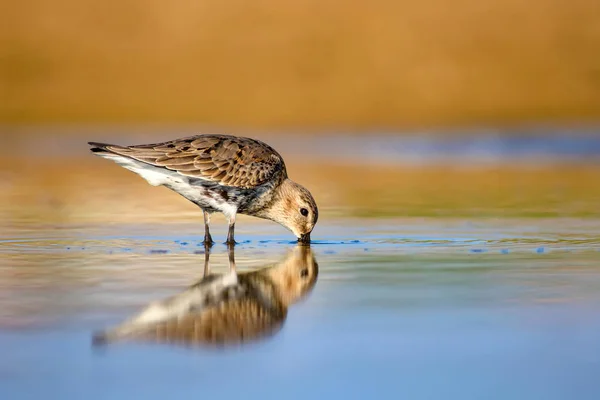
x=307, y=64
x=134, y=71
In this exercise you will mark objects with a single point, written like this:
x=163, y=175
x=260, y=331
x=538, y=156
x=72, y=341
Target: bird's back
x=220, y=159
x=217, y=172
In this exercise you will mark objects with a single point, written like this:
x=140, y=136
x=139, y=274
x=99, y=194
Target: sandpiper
x=224, y=309
x=233, y=175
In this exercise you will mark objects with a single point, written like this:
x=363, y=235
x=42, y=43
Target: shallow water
x=462, y=283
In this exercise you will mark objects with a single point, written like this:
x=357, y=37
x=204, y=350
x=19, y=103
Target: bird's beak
x=305, y=238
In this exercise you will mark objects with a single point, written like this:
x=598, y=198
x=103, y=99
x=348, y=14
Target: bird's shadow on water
x=223, y=310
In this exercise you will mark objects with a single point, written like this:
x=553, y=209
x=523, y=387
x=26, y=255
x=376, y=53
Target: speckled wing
x=223, y=159
x=232, y=323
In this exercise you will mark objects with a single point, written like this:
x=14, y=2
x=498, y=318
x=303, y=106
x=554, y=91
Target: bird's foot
x=208, y=242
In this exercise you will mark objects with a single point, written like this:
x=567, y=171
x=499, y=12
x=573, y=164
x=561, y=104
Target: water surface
x=433, y=282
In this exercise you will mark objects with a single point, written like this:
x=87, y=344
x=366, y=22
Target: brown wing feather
x=228, y=160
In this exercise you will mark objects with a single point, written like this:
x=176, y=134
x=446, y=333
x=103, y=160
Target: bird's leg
x=206, y=258
x=231, y=255
x=230, y=240
x=207, y=238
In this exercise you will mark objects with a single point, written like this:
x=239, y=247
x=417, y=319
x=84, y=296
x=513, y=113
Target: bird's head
x=296, y=209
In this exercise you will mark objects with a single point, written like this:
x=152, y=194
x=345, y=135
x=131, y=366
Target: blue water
x=414, y=308
x=437, y=352
x=455, y=312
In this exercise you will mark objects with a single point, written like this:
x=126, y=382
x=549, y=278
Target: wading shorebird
x=223, y=309
x=233, y=175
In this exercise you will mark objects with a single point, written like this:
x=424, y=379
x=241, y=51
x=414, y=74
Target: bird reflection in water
x=224, y=309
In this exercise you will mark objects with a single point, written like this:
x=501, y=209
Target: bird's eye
x=304, y=212
x=304, y=273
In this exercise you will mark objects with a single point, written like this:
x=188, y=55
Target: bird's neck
x=275, y=203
